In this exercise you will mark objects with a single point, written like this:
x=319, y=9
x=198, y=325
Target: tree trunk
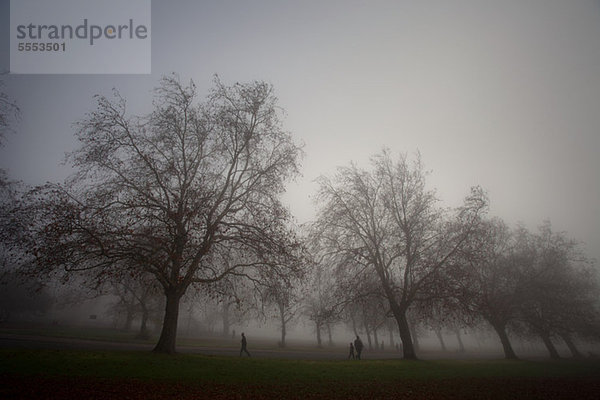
x=225, y=315
x=329, y=336
x=168, y=335
x=408, y=349
x=438, y=333
x=375, y=338
x=369, y=337
x=569, y=341
x=461, y=346
x=190, y=317
x=413, y=334
x=550, y=346
x=144, y=335
x=391, y=337
x=283, y=330
x=500, y=329
x=400, y=315
x=319, y=344
x=128, y=319
x=354, y=325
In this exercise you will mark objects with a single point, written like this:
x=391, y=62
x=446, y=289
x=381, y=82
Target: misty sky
x=504, y=94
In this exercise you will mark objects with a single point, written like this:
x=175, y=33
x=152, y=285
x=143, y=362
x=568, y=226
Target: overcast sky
x=502, y=94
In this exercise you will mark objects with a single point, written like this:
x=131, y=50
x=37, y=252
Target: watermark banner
x=80, y=36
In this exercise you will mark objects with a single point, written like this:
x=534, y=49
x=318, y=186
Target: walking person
x=358, y=345
x=244, y=344
x=351, y=355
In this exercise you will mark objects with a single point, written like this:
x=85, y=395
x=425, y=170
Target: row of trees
x=385, y=238
x=533, y=284
x=185, y=200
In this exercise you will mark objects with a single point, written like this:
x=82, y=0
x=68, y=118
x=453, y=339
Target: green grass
x=227, y=370
x=48, y=374
x=67, y=332
x=120, y=336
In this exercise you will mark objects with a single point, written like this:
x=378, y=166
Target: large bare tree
x=188, y=193
x=387, y=220
x=487, y=280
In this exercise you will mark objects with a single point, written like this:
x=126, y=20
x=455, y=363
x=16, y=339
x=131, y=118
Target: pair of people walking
x=358, y=346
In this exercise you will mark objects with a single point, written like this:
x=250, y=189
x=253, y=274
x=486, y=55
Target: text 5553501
x=41, y=46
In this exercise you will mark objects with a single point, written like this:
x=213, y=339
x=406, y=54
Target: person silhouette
x=244, y=344
x=358, y=345
x=351, y=355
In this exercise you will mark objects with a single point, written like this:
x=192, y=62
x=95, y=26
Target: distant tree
x=124, y=308
x=228, y=293
x=443, y=315
x=137, y=296
x=22, y=299
x=349, y=317
x=561, y=288
x=488, y=281
x=321, y=303
x=188, y=193
x=286, y=297
x=374, y=312
x=239, y=299
x=359, y=296
x=434, y=317
x=387, y=220
x=364, y=298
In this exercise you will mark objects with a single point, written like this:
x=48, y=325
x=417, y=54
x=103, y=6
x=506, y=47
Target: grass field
x=120, y=336
x=143, y=375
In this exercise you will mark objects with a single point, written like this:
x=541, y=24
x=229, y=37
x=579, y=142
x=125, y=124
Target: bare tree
x=321, y=304
x=234, y=298
x=188, y=193
x=137, y=295
x=387, y=220
x=21, y=299
x=488, y=280
x=538, y=285
x=286, y=297
x=561, y=288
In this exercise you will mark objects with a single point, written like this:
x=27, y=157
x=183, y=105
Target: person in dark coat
x=358, y=345
x=244, y=344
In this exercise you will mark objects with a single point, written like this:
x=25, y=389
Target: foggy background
x=499, y=94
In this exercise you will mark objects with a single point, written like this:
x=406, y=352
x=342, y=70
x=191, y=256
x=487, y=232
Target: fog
x=497, y=95
x=66, y=311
